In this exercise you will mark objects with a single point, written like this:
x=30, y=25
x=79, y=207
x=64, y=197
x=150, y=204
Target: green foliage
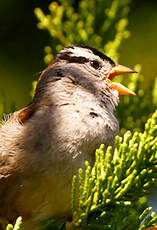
x=17, y=225
x=133, y=111
x=97, y=23
x=111, y=193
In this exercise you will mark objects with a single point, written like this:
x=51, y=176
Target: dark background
x=22, y=45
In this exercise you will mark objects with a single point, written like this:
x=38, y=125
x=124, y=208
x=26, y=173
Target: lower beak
x=117, y=70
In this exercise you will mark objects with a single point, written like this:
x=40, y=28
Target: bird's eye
x=95, y=64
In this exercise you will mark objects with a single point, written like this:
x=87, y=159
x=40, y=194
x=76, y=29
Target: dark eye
x=95, y=64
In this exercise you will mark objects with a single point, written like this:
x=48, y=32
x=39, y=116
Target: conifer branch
x=111, y=193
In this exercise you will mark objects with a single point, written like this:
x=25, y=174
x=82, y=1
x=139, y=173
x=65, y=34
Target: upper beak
x=117, y=70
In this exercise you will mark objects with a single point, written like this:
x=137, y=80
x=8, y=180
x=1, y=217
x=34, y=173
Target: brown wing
x=26, y=113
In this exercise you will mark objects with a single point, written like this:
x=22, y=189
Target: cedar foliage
x=111, y=194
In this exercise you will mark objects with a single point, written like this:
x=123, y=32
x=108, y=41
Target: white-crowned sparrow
x=43, y=145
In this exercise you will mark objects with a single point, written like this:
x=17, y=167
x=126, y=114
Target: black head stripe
x=72, y=47
x=73, y=59
x=98, y=53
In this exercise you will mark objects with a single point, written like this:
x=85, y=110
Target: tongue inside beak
x=117, y=70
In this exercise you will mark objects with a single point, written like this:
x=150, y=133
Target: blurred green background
x=22, y=45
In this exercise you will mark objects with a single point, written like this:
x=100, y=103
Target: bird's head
x=100, y=66
x=85, y=66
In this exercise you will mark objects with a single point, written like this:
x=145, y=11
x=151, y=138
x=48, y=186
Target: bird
x=44, y=144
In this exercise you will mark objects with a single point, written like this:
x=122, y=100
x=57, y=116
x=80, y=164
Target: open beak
x=117, y=70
